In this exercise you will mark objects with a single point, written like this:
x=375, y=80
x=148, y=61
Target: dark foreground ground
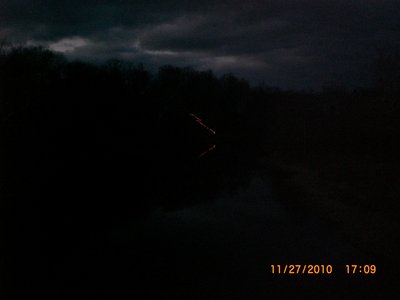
x=222, y=246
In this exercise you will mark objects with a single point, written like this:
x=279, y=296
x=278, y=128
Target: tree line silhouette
x=76, y=126
x=83, y=144
x=78, y=119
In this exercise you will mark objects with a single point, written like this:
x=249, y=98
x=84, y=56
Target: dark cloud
x=289, y=43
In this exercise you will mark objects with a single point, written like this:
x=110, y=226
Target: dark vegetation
x=84, y=145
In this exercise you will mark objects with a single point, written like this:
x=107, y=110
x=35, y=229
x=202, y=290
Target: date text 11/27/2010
x=321, y=269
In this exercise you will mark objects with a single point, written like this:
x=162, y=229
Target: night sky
x=292, y=44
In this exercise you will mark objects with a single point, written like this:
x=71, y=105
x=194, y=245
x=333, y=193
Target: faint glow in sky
x=68, y=44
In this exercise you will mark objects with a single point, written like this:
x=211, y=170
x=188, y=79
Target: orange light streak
x=200, y=122
x=208, y=150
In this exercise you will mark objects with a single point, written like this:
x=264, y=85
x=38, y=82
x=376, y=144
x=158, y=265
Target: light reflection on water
x=251, y=218
x=215, y=248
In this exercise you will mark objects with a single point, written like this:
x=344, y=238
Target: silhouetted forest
x=84, y=145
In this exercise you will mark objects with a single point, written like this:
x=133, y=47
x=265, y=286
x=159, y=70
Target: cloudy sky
x=292, y=43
